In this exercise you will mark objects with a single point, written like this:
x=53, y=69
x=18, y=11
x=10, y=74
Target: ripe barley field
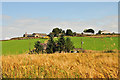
x=61, y=65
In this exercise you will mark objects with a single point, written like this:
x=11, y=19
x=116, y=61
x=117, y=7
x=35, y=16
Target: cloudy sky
x=42, y=17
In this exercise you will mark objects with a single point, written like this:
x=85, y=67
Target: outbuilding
x=105, y=32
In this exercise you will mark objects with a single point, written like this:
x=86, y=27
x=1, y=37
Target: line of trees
x=56, y=32
x=61, y=45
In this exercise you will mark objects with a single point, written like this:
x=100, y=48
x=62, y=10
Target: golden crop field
x=61, y=65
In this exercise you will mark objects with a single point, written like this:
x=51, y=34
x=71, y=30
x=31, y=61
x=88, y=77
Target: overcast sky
x=42, y=17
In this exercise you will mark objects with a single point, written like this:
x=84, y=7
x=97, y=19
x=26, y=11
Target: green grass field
x=21, y=46
x=18, y=46
x=96, y=43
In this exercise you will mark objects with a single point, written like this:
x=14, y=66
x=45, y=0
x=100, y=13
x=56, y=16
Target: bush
x=38, y=47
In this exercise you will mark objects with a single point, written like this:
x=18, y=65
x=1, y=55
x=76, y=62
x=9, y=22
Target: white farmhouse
x=105, y=32
x=88, y=33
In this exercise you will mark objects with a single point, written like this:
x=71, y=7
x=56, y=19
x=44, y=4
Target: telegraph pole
x=81, y=43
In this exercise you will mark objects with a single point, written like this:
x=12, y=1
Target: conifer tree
x=61, y=44
x=51, y=47
x=68, y=45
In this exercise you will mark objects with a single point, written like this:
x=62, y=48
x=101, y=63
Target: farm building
x=39, y=34
x=88, y=33
x=27, y=35
x=105, y=32
x=35, y=35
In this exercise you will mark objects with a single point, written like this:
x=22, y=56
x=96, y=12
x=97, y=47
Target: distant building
x=35, y=35
x=105, y=32
x=39, y=34
x=88, y=33
x=27, y=35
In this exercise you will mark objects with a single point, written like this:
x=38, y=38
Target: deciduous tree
x=69, y=32
x=89, y=30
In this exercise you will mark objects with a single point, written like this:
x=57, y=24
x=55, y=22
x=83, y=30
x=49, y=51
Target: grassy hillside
x=105, y=43
x=68, y=65
x=90, y=43
x=21, y=46
x=18, y=46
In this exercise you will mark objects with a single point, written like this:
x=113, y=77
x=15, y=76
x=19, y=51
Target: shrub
x=38, y=47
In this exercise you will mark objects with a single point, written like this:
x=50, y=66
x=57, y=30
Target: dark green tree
x=51, y=47
x=113, y=33
x=61, y=44
x=69, y=32
x=56, y=32
x=68, y=45
x=99, y=32
x=50, y=34
x=38, y=47
x=63, y=32
x=60, y=30
x=89, y=30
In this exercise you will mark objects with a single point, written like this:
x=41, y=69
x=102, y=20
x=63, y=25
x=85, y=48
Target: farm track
x=64, y=65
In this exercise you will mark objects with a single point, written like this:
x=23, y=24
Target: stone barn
x=27, y=35
x=35, y=35
x=39, y=34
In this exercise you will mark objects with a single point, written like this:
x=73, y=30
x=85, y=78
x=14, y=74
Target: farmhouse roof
x=39, y=33
x=28, y=34
x=87, y=33
x=105, y=31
